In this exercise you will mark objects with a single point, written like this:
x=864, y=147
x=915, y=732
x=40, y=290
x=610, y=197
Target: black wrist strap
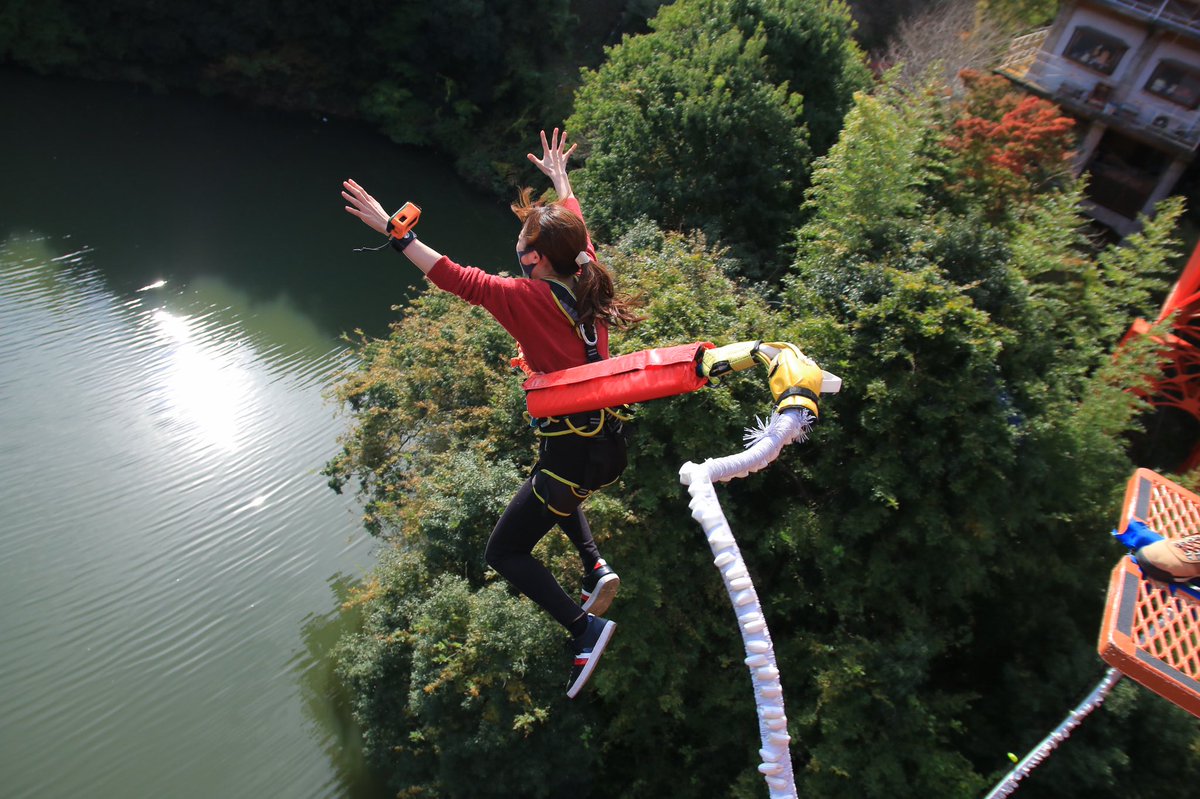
x=400, y=244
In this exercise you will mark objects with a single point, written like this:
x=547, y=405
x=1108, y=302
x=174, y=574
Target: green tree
x=471, y=77
x=975, y=467
x=710, y=120
x=438, y=447
x=468, y=77
x=1022, y=15
x=801, y=34
x=931, y=562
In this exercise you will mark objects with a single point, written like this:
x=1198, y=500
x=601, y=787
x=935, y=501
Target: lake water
x=175, y=275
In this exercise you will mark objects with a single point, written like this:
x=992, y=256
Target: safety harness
x=590, y=423
x=565, y=299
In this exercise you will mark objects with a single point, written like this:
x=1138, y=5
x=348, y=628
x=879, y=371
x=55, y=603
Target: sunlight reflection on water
x=166, y=536
x=204, y=387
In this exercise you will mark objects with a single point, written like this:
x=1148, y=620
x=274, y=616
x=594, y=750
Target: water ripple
x=166, y=532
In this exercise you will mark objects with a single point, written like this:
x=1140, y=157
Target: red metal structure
x=1179, y=384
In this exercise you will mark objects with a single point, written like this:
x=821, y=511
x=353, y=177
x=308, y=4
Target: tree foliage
x=438, y=447
x=1021, y=15
x=978, y=458
x=710, y=120
x=931, y=563
x=465, y=76
x=1008, y=145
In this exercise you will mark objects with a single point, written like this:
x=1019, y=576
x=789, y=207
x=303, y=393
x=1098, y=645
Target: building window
x=1095, y=50
x=1176, y=82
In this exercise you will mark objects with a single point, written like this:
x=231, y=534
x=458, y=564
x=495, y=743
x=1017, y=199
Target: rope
x=1057, y=736
x=765, y=445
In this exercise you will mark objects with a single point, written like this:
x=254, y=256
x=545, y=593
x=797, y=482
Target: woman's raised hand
x=365, y=207
x=554, y=162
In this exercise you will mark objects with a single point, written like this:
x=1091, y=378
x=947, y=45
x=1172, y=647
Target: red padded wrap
x=624, y=380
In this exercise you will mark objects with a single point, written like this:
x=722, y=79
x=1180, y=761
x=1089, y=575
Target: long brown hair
x=559, y=235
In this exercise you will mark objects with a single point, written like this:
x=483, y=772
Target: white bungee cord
x=764, y=444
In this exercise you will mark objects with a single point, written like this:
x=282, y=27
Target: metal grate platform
x=1151, y=631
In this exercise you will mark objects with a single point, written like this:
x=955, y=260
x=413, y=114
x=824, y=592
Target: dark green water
x=175, y=273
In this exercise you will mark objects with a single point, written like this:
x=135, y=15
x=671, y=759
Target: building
x=1129, y=71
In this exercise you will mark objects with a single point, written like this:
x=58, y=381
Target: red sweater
x=525, y=308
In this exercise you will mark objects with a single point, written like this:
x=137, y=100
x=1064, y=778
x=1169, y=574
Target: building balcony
x=1179, y=16
x=1088, y=96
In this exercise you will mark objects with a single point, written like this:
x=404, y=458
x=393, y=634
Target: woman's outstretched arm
x=554, y=162
x=368, y=209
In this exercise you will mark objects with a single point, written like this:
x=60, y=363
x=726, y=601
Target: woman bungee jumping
x=559, y=314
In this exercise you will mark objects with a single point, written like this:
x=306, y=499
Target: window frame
x=1115, y=45
x=1188, y=71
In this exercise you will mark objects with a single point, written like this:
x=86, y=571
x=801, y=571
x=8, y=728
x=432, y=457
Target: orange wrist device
x=403, y=221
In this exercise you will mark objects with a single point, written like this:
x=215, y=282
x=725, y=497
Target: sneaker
x=1171, y=560
x=588, y=649
x=599, y=588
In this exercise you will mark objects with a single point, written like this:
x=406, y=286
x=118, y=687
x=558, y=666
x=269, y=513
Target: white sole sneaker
x=588, y=661
x=602, y=595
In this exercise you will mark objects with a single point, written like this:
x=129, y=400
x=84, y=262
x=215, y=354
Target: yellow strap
x=550, y=507
x=572, y=430
x=562, y=480
x=624, y=417
x=570, y=319
x=586, y=434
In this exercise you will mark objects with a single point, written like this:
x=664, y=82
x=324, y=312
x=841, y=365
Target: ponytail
x=596, y=297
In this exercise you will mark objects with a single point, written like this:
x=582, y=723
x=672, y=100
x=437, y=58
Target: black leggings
x=568, y=469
